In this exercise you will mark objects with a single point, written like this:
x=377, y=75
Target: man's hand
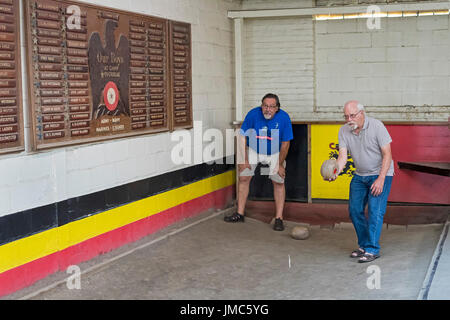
x=243, y=166
x=377, y=186
x=340, y=164
x=334, y=177
x=282, y=171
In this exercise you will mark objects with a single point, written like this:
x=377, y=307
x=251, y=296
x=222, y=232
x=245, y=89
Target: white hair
x=360, y=107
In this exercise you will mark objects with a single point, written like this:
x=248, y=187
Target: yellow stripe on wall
x=25, y=250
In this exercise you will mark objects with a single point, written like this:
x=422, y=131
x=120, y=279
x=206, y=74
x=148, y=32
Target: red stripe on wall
x=27, y=274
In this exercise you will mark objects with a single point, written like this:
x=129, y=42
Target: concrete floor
x=437, y=282
x=212, y=259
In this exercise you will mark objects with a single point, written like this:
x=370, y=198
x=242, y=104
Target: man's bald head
x=353, y=105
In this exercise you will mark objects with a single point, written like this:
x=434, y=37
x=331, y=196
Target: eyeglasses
x=351, y=116
x=265, y=106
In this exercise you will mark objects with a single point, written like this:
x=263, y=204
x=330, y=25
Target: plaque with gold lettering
x=180, y=66
x=96, y=73
x=11, y=121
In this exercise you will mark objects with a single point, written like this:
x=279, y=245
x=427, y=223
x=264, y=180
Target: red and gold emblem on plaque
x=111, y=96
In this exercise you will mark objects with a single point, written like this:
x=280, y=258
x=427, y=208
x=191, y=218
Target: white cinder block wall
x=29, y=180
x=280, y=62
x=279, y=57
x=400, y=71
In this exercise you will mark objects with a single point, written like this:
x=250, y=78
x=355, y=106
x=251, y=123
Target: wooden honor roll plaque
x=11, y=120
x=98, y=73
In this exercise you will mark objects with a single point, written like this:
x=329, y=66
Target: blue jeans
x=368, y=229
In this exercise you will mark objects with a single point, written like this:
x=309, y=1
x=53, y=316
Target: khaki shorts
x=272, y=160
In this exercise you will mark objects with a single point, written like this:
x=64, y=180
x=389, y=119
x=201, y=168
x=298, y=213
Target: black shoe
x=235, y=217
x=278, y=225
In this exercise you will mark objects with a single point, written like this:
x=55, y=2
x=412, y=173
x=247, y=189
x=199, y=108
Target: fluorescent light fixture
x=440, y=12
x=328, y=16
x=321, y=16
x=410, y=13
x=335, y=16
x=425, y=13
x=393, y=14
x=379, y=15
x=351, y=15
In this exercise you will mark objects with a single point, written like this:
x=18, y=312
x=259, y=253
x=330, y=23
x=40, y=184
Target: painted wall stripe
x=31, y=221
x=28, y=273
x=25, y=250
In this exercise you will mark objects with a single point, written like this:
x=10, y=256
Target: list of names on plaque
x=148, y=78
x=60, y=69
x=60, y=74
x=181, y=74
x=11, y=130
x=76, y=77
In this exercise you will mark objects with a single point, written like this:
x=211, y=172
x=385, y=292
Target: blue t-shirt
x=265, y=136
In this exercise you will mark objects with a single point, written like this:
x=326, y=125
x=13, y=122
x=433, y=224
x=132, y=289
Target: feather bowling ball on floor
x=300, y=233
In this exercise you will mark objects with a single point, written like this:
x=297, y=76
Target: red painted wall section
x=417, y=143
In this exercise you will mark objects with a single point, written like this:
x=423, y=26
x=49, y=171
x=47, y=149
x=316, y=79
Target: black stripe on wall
x=28, y=222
